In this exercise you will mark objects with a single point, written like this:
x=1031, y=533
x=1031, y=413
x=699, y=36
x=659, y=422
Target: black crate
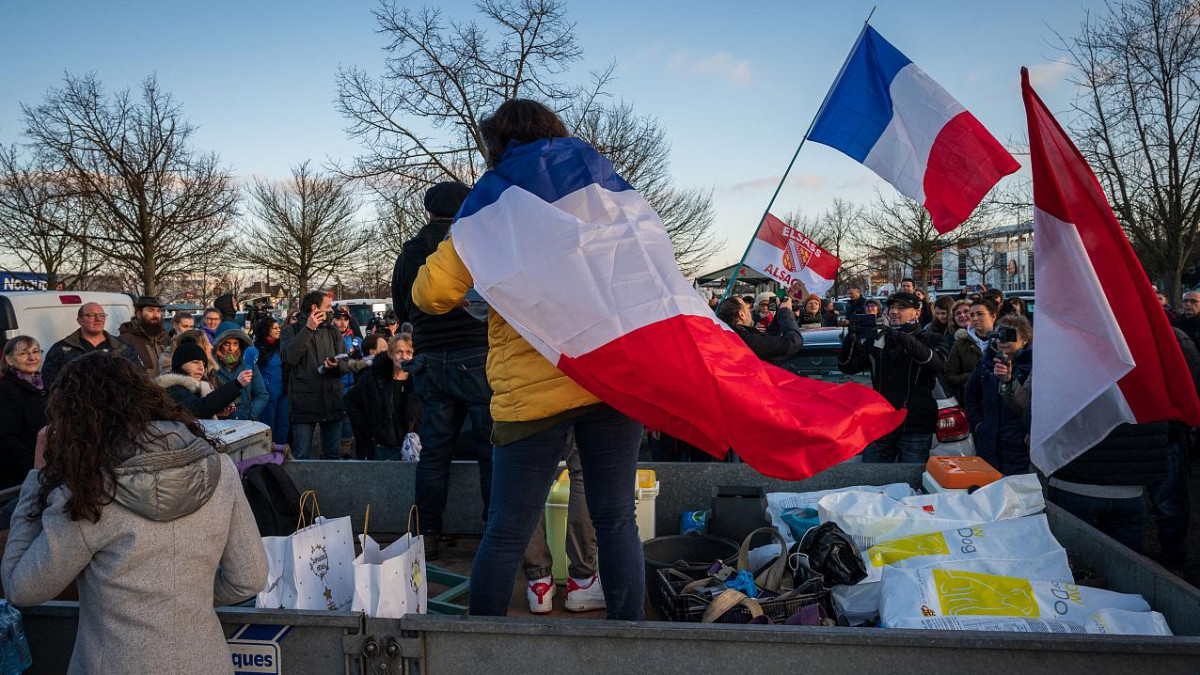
x=673, y=606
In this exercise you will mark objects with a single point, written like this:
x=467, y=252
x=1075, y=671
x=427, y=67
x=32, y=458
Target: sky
x=735, y=84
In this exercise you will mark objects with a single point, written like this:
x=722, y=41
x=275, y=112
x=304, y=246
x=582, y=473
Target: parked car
x=818, y=360
x=49, y=316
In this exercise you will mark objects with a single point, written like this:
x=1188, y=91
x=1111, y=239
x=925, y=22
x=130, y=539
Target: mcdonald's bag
x=311, y=568
x=391, y=582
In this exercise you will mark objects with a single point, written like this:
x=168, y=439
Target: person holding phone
x=998, y=427
x=309, y=349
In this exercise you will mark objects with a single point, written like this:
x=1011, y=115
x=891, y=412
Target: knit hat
x=187, y=351
x=444, y=199
x=765, y=296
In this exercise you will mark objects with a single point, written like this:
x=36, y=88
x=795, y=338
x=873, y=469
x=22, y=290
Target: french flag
x=888, y=114
x=580, y=265
x=1091, y=371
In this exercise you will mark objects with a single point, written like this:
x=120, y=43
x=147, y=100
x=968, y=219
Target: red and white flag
x=787, y=255
x=1091, y=371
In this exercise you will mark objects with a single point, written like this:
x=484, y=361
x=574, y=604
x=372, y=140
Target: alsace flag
x=785, y=255
x=1091, y=371
x=888, y=114
x=580, y=265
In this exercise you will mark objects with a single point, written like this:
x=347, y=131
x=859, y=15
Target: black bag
x=273, y=499
x=832, y=553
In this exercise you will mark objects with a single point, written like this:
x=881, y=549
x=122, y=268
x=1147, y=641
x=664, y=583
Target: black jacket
x=1133, y=454
x=453, y=330
x=904, y=363
x=999, y=428
x=782, y=339
x=74, y=346
x=314, y=396
x=1189, y=325
x=186, y=392
x=22, y=415
x=370, y=405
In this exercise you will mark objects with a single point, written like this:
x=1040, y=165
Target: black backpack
x=273, y=499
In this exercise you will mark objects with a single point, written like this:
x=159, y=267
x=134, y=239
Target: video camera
x=863, y=323
x=1001, y=334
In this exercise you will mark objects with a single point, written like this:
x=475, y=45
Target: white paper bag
x=279, y=553
x=390, y=583
x=313, y=567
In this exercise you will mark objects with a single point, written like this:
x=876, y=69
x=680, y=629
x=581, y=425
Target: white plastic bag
x=869, y=517
x=934, y=592
x=410, y=451
x=1103, y=622
x=391, y=582
x=778, y=501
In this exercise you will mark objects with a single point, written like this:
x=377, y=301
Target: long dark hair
x=100, y=405
x=521, y=120
x=262, y=330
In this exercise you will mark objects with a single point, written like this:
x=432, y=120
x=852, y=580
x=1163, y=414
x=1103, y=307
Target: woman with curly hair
x=138, y=506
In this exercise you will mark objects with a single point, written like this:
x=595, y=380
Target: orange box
x=961, y=473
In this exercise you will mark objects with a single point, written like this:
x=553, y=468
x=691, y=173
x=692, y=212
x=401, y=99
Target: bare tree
x=900, y=231
x=158, y=205
x=39, y=214
x=304, y=230
x=419, y=121
x=1139, y=124
x=837, y=231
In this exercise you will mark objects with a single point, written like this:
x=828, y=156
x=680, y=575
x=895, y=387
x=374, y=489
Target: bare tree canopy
x=303, y=229
x=838, y=232
x=158, y=206
x=1139, y=125
x=901, y=231
x=419, y=120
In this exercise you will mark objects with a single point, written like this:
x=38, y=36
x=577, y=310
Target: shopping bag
x=391, y=582
x=314, y=565
x=778, y=502
x=1103, y=622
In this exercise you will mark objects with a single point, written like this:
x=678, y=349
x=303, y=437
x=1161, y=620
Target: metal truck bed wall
x=348, y=643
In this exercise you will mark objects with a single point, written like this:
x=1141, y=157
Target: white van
x=49, y=316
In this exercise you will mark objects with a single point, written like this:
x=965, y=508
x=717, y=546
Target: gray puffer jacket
x=178, y=539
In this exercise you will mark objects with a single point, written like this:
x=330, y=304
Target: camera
x=1003, y=334
x=865, y=322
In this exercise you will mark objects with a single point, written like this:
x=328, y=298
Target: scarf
x=34, y=379
x=266, y=349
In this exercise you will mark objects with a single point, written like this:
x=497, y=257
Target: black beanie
x=187, y=351
x=444, y=199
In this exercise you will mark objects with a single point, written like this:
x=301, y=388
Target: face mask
x=230, y=359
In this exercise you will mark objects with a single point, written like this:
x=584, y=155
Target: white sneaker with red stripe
x=541, y=595
x=581, y=598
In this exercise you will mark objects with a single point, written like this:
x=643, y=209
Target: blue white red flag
x=581, y=266
x=888, y=114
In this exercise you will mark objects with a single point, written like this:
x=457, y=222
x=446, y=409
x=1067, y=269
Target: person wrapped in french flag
x=888, y=114
x=580, y=265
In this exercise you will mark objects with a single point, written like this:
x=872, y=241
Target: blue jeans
x=608, y=450
x=1171, y=507
x=906, y=448
x=1121, y=519
x=275, y=415
x=451, y=386
x=331, y=439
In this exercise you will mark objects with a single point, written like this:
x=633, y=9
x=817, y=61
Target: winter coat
x=806, y=319
x=999, y=428
x=148, y=347
x=525, y=386
x=964, y=356
x=904, y=363
x=454, y=330
x=782, y=339
x=370, y=406
x=254, y=397
x=314, y=396
x=73, y=346
x=164, y=366
x=210, y=333
x=352, y=348
x=1132, y=454
x=178, y=539
x=270, y=364
x=22, y=416
x=193, y=395
x=1189, y=325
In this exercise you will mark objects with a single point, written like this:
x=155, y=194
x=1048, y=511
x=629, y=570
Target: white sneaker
x=541, y=595
x=582, y=598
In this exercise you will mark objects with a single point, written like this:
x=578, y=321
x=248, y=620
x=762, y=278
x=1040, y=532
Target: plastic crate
x=690, y=608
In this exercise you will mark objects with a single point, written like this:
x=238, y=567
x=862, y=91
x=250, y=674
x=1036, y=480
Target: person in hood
x=190, y=383
x=998, y=427
x=140, y=509
x=230, y=352
x=23, y=400
x=383, y=407
x=145, y=332
x=270, y=364
x=227, y=306
x=969, y=345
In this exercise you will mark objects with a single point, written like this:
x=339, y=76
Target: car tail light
x=70, y=299
x=952, y=425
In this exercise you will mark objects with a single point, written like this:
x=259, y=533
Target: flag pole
x=813, y=123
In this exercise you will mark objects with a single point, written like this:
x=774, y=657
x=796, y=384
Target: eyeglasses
x=27, y=352
x=94, y=315
x=1192, y=300
x=962, y=312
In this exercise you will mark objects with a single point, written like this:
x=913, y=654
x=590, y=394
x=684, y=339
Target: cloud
x=1049, y=75
x=721, y=65
x=811, y=181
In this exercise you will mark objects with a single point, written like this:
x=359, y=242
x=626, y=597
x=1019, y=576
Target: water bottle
x=14, y=650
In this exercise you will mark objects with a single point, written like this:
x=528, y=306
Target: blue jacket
x=999, y=430
x=272, y=371
x=255, y=397
x=352, y=347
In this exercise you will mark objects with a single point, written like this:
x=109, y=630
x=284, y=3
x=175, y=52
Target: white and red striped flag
x=787, y=255
x=1091, y=371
